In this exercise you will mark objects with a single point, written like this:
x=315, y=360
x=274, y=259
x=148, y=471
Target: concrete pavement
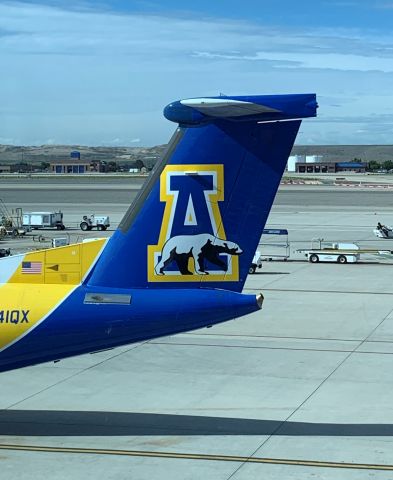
x=306, y=380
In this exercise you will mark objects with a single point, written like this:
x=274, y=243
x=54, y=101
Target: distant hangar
x=316, y=164
x=70, y=165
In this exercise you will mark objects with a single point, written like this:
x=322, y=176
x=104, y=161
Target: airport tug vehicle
x=100, y=222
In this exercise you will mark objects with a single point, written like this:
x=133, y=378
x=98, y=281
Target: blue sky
x=100, y=72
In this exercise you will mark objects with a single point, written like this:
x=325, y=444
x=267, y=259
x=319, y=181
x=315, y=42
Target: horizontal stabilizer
x=261, y=108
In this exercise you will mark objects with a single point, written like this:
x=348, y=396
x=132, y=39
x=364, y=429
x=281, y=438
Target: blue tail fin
x=199, y=217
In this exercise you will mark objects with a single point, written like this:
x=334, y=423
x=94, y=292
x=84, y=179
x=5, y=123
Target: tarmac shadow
x=56, y=423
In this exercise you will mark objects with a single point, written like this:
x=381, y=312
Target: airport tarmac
x=302, y=389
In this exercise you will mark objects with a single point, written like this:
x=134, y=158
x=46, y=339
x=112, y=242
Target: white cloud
x=385, y=5
x=9, y=141
x=323, y=60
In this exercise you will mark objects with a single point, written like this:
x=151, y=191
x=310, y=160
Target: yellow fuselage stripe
x=22, y=307
x=29, y=297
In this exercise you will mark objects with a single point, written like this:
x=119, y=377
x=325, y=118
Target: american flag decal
x=31, y=267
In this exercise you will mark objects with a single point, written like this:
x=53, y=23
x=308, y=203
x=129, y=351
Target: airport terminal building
x=331, y=167
x=70, y=166
x=316, y=164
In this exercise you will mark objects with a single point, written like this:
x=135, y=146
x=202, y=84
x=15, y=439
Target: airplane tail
x=199, y=217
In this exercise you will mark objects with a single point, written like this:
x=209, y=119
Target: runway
x=40, y=192
x=302, y=389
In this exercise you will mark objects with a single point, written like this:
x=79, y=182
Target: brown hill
x=10, y=154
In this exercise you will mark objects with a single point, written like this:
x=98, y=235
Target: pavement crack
x=73, y=376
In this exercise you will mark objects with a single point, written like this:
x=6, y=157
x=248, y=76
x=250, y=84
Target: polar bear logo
x=200, y=247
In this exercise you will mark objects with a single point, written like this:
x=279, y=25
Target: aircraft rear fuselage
x=93, y=319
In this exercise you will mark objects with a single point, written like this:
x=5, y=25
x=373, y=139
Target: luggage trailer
x=275, y=250
x=339, y=252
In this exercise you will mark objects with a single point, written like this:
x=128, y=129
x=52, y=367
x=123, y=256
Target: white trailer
x=339, y=252
x=335, y=256
x=275, y=244
x=36, y=220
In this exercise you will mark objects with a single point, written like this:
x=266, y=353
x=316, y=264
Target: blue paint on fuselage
x=76, y=327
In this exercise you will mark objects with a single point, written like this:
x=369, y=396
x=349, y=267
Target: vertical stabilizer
x=199, y=217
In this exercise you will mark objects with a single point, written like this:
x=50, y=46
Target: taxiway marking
x=197, y=456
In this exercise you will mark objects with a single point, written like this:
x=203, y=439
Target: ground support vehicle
x=36, y=220
x=11, y=221
x=15, y=231
x=100, y=222
x=275, y=244
x=385, y=232
x=270, y=248
x=9, y=227
x=5, y=252
x=256, y=262
x=326, y=255
x=339, y=252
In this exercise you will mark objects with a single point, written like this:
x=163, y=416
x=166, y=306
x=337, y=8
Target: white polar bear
x=200, y=247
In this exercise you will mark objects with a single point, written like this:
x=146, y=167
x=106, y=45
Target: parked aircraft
x=181, y=254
